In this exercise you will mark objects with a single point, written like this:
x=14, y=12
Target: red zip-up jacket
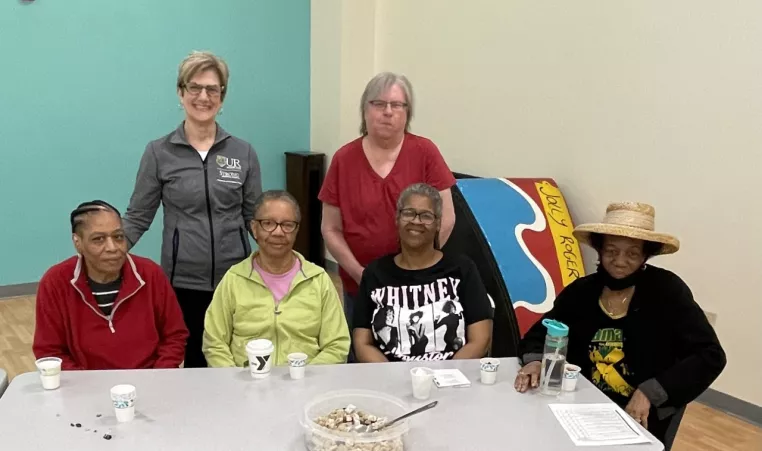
x=145, y=328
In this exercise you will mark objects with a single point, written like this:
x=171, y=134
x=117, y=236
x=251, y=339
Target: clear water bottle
x=553, y=357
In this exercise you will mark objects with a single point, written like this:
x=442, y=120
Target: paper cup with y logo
x=260, y=352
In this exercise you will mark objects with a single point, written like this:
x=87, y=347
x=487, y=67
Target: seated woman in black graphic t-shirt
x=421, y=304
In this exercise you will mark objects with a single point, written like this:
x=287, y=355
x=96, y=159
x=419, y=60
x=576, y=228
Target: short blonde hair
x=198, y=62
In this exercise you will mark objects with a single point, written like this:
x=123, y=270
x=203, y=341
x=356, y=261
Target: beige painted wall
x=341, y=63
x=652, y=101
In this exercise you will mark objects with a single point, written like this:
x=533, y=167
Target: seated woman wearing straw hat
x=634, y=329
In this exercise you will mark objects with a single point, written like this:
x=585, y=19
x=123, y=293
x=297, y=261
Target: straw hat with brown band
x=632, y=220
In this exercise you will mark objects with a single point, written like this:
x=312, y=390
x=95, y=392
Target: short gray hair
x=379, y=85
x=277, y=194
x=424, y=190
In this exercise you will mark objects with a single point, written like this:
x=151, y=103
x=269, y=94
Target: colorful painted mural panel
x=527, y=226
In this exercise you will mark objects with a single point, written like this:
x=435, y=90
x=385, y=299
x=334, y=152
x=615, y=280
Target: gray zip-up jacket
x=208, y=205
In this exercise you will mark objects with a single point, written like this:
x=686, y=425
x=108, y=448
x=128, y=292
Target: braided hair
x=77, y=217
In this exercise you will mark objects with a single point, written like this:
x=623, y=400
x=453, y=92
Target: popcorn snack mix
x=349, y=420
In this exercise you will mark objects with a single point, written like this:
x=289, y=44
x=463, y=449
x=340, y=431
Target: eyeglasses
x=270, y=225
x=211, y=90
x=426, y=217
x=382, y=104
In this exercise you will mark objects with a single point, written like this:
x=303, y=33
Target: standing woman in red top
x=367, y=175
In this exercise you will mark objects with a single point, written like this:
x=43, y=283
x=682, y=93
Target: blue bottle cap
x=556, y=328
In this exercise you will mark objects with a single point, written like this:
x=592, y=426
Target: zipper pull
x=277, y=312
x=111, y=326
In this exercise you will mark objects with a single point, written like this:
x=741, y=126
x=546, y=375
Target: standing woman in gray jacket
x=207, y=181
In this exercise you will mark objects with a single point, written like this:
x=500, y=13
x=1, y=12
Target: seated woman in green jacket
x=275, y=294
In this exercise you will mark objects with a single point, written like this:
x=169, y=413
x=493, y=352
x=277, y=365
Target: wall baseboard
x=751, y=413
x=30, y=289
x=717, y=400
x=738, y=408
x=22, y=289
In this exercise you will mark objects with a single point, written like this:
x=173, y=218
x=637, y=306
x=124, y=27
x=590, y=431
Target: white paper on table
x=450, y=378
x=598, y=424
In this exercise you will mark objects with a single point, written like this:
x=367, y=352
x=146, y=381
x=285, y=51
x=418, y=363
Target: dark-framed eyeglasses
x=382, y=104
x=409, y=215
x=269, y=225
x=195, y=89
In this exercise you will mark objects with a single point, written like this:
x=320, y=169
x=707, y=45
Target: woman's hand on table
x=528, y=377
x=639, y=407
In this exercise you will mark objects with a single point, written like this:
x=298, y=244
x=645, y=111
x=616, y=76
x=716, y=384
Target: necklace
x=606, y=307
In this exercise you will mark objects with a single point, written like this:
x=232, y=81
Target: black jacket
x=672, y=350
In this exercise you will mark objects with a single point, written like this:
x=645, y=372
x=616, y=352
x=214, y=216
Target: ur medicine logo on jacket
x=229, y=169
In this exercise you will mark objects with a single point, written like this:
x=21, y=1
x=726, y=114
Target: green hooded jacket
x=309, y=319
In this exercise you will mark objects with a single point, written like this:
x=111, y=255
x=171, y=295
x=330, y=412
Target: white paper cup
x=123, y=398
x=297, y=361
x=50, y=382
x=260, y=357
x=422, y=379
x=125, y=415
x=571, y=376
x=488, y=377
x=489, y=367
x=50, y=372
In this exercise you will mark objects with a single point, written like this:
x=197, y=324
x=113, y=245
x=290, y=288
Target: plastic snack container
x=319, y=438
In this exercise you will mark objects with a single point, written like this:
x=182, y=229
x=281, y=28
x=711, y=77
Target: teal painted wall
x=84, y=85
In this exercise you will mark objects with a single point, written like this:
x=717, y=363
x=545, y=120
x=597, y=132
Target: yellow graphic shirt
x=610, y=372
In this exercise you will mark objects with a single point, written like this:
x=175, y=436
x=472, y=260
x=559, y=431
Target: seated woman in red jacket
x=104, y=308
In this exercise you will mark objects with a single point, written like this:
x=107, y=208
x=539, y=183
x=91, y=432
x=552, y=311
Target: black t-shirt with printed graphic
x=421, y=314
x=610, y=372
